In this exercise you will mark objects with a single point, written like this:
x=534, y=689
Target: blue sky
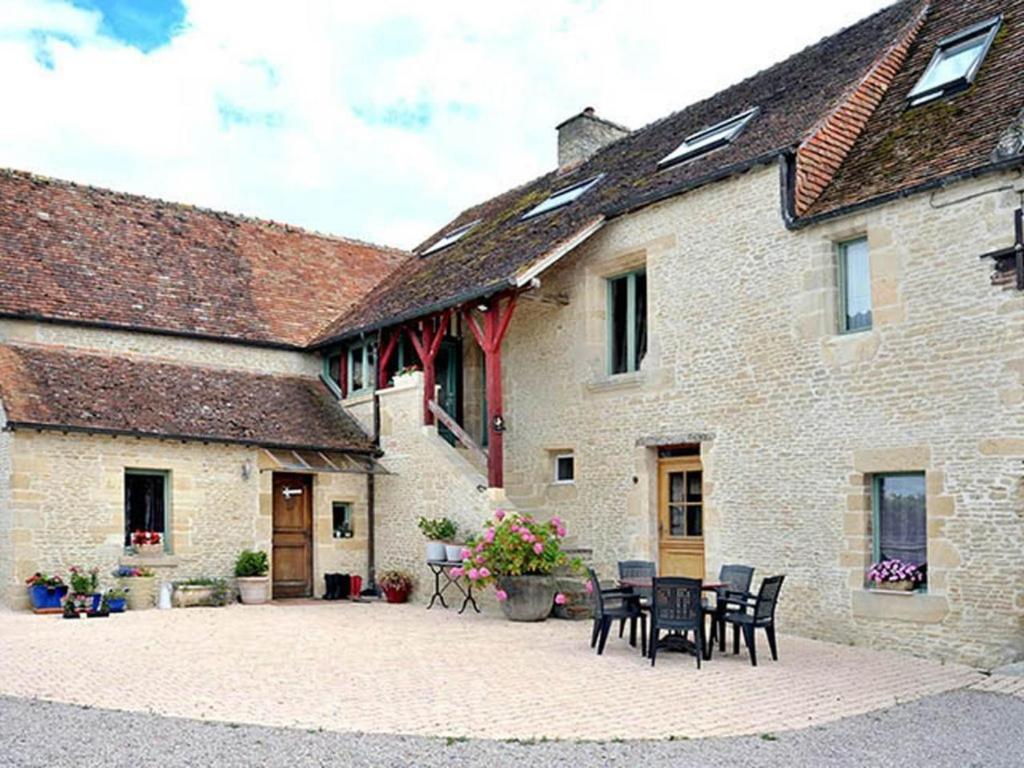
x=379, y=121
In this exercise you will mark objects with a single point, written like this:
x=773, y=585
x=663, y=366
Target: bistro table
x=674, y=641
x=443, y=568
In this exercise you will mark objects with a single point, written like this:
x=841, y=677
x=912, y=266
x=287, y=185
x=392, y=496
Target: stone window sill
x=918, y=607
x=163, y=561
x=616, y=382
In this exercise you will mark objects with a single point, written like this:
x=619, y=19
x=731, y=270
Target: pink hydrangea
x=501, y=595
x=480, y=560
x=560, y=531
x=538, y=548
x=526, y=537
x=465, y=554
x=556, y=521
x=559, y=599
x=485, y=572
x=499, y=515
x=474, y=574
x=488, y=536
x=458, y=572
x=590, y=587
x=480, y=547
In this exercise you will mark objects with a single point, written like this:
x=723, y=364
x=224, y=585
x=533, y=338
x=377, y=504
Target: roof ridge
x=188, y=207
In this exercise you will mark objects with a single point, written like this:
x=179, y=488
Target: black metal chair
x=638, y=570
x=737, y=578
x=676, y=608
x=611, y=604
x=761, y=615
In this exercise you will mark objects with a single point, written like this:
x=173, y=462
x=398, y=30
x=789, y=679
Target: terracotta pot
x=395, y=595
x=253, y=589
x=530, y=598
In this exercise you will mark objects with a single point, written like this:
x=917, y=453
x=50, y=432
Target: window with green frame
x=362, y=365
x=899, y=517
x=854, y=285
x=147, y=503
x=627, y=321
x=332, y=367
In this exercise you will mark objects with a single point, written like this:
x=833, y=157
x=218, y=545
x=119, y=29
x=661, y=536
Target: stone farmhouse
x=783, y=326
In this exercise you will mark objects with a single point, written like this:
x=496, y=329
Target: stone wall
x=794, y=418
x=6, y=512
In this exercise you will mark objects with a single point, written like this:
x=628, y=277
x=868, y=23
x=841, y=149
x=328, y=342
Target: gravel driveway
x=964, y=728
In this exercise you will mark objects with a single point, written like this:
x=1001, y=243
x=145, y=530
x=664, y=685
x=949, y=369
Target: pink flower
x=590, y=587
x=474, y=574
x=499, y=515
x=480, y=560
x=484, y=572
x=559, y=599
x=458, y=572
x=561, y=531
x=480, y=547
x=488, y=536
x=538, y=548
x=526, y=537
x=501, y=595
x=556, y=521
x=466, y=554
x=515, y=528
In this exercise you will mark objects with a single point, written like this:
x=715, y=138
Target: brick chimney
x=582, y=135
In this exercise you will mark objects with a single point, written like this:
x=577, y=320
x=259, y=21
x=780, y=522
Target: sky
x=379, y=121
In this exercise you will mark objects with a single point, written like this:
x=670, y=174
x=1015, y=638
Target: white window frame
x=842, y=299
x=563, y=197
x=985, y=29
x=710, y=138
x=450, y=238
x=558, y=457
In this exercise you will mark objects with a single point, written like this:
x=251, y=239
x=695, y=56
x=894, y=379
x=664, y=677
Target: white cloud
x=281, y=109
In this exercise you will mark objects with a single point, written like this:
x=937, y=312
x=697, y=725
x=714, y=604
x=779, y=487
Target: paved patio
x=379, y=668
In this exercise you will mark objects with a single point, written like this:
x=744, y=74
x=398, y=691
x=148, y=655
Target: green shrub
x=252, y=563
x=441, y=529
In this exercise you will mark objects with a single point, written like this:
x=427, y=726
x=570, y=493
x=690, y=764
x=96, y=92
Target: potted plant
x=46, y=591
x=439, y=532
x=200, y=592
x=139, y=584
x=147, y=543
x=70, y=610
x=102, y=610
x=84, y=588
x=396, y=585
x=251, y=573
x=518, y=554
x=117, y=599
x=896, y=575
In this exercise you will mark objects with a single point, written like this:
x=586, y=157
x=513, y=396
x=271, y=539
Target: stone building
x=782, y=326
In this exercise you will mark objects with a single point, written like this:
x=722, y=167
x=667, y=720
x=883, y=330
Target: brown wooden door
x=681, y=517
x=293, y=535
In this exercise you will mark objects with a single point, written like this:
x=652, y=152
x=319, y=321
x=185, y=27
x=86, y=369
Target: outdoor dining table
x=674, y=641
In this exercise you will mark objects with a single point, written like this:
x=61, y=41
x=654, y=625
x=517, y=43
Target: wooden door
x=293, y=535
x=681, y=517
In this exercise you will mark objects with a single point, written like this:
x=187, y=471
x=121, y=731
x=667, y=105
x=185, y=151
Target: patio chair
x=611, y=604
x=761, y=615
x=738, y=578
x=676, y=608
x=639, y=570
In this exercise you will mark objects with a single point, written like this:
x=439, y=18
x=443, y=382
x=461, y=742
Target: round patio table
x=674, y=641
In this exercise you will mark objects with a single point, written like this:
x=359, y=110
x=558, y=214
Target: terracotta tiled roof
x=78, y=253
x=54, y=387
x=793, y=97
x=901, y=148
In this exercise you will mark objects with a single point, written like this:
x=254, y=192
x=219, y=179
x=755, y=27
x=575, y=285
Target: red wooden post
x=427, y=345
x=489, y=338
x=384, y=357
x=343, y=372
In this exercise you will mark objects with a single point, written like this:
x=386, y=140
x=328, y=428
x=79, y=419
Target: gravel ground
x=955, y=729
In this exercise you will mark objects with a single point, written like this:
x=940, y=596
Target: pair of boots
x=338, y=586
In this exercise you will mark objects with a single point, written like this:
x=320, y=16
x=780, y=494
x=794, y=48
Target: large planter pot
x=530, y=598
x=436, y=551
x=453, y=553
x=191, y=595
x=395, y=595
x=149, y=550
x=141, y=591
x=253, y=589
x=46, y=598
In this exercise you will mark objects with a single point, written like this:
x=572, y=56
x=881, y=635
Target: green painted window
x=362, y=364
x=147, y=503
x=899, y=517
x=854, y=286
x=332, y=369
x=341, y=514
x=627, y=322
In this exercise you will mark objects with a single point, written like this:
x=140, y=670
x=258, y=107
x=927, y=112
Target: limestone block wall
x=178, y=349
x=6, y=512
x=792, y=417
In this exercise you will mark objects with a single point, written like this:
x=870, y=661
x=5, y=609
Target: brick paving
x=379, y=668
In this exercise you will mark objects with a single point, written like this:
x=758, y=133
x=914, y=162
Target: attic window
x=562, y=197
x=452, y=237
x=705, y=140
x=955, y=63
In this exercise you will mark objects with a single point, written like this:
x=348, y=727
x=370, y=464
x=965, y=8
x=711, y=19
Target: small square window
x=955, y=63
x=565, y=468
x=145, y=503
x=854, y=286
x=341, y=520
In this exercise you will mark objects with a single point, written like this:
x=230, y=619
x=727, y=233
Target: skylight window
x=703, y=141
x=955, y=63
x=452, y=237
x=562, y=197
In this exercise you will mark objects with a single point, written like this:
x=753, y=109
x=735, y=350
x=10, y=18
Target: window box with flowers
x=896, y=576
x=46, y=591
x=147, y=543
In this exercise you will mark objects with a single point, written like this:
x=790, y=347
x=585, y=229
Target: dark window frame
x=988, y=29
x=165, y=476
x=636, y=342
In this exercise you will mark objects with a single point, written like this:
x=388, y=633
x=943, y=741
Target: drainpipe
x=371, y=489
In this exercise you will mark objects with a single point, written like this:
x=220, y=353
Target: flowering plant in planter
x=896, y=574
x=145, y=537
x=84, y=582
x=43, y=579
x=46, y=591
x=396, y=585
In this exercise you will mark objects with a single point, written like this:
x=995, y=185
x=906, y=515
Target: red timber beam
x=387, y=345
x=489, y=337
x=426, y=340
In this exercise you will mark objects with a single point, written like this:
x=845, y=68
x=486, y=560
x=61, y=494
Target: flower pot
x=149, y=550
x=436, y=551
x=453, y=553
x=191, y=595
x=46, y=598
x=141, y=591
x=395, y=595
x=117, y=604
x=253, y=589
x=896, y=586
x=530, y=598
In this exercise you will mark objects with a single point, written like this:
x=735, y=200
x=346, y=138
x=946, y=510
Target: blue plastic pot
x=46, y=597
x=117, y=604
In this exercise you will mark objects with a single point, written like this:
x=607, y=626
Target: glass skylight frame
x=983, y=32
x=710, y=138
x=563, y=197
x=450, y=238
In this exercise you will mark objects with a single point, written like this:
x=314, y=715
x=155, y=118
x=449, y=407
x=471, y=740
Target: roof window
x=562, y=197
x=705, y=140
x=452, y=237
x=955, y=62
